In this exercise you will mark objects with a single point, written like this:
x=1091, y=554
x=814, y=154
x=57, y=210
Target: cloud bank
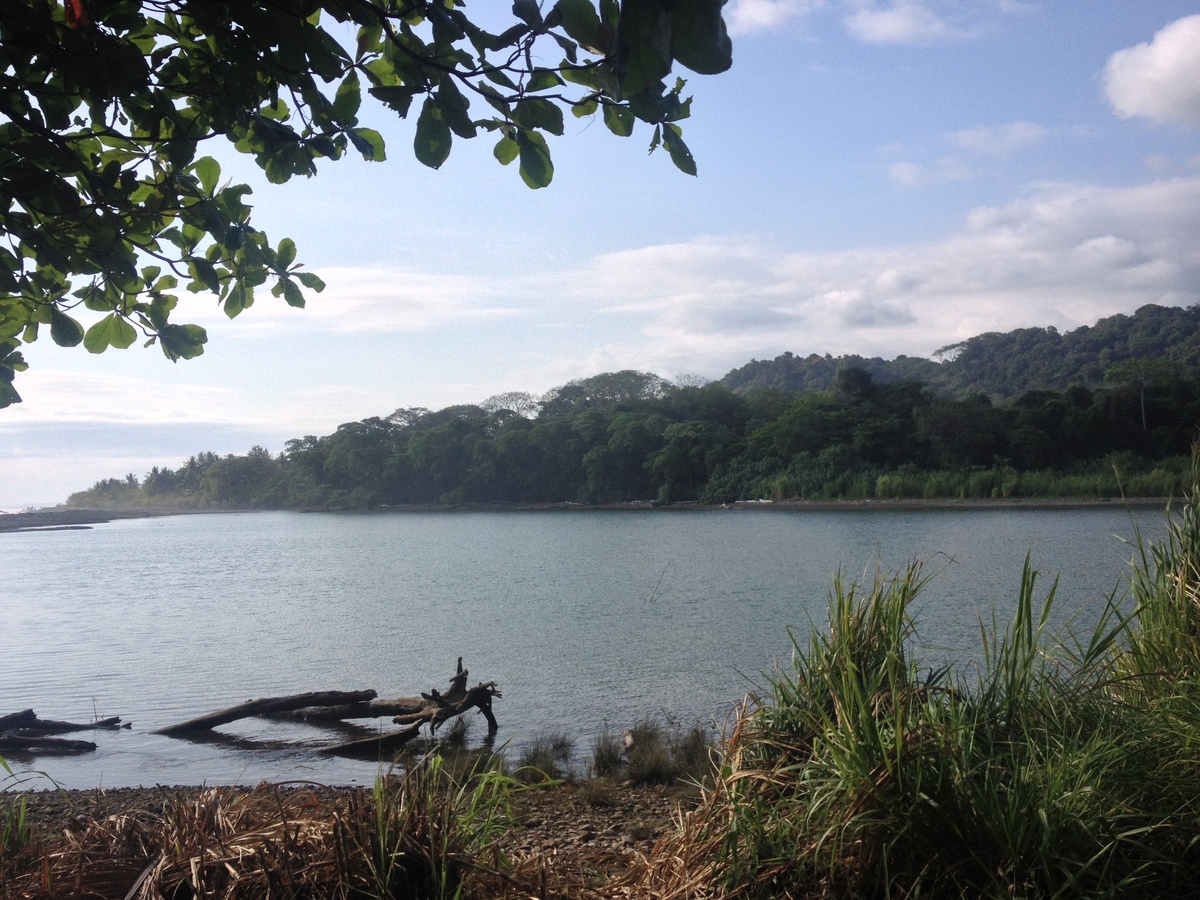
x=1064, y=256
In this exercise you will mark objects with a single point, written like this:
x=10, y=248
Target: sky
x=878, y=177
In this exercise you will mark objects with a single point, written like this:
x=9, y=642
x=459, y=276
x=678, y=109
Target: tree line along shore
x=628, y=437
x=1103, y=411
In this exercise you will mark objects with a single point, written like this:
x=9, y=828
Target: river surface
x=585, y=620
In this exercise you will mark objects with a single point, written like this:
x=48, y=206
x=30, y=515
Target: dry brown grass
x=274, y=841
x=308, y=841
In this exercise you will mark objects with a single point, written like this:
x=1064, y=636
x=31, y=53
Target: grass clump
x=424, y=833
x=546, y=758
x=15, y=835
x=1062, y=766
x=608, y=755
x=650, y=758
x=651, y=753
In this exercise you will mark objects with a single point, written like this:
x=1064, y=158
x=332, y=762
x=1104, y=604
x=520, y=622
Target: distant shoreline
x=63, y=519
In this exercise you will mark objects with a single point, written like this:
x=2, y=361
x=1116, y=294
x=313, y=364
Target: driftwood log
x=433, y=707
x=16, y=743
x=264, y=706
x=24, y=732
x=29, y=724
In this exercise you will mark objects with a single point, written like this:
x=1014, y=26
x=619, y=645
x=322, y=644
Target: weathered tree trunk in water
x=439, y=708
x=266, y=705
x=24, y=732
x=433, y=707
x=412, y=712
x=16, y=743
x=17, y=719
x=372, y=709
x=374, y=747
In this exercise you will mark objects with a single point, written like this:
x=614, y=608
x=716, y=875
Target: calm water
x=585, y=620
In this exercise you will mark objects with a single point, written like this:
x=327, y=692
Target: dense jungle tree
x=108, y=203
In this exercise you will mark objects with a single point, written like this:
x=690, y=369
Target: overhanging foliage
x=108, y=202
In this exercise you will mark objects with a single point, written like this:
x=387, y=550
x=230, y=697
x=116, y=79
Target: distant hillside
x=1005, y=364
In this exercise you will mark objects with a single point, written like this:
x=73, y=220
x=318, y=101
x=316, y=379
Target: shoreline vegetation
x=1059, y=765
x=1102, y=412
x=62, y=518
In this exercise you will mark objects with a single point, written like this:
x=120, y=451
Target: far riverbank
x=60, y=518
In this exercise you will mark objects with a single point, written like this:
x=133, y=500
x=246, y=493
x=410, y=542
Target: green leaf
x=368, y=142
x=208, y=170
x=398, y=98
x=585, y=108
x=432, y=141
x=506, y=150
x=569, y=47
x=536, y=112
x=292, y=294
x=182, y=341
x=508, y=37
x=238, y=299
x=581, y=22
x=454, y=108
x=698, y=36
x=159, y=310
x=643, y=45
x=111, y=331
x=528, y=12
x=65, y=331
x=347, y=99
x=536, y=168
x=285, y=255
x=680, y=154
x=543, y=80
x=310, y=281
x=204, y=275
x=619, y=120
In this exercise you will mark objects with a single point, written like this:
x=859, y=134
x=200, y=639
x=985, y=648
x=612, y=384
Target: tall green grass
x=423, y=834
x=1059, y=765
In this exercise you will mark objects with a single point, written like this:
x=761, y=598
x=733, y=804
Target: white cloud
x=1159, y=80
x=66, y=397
x=999, y=140
x=387, y=299
x=750, y=16
x=908, y=174
x=902, y=23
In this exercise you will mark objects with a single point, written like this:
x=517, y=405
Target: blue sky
x=876, y=177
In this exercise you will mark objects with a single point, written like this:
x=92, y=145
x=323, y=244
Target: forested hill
x=1006, y=364
x=1131, y=403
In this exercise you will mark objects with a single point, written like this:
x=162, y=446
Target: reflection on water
x=584, y=619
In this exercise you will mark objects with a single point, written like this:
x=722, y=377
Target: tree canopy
x=631, y=436
x=1154, y=341
x=107, y=201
